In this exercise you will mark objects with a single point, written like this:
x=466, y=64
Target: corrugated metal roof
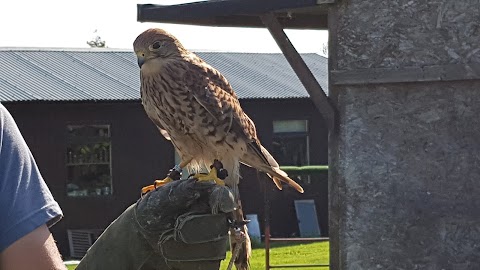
x=106, y=74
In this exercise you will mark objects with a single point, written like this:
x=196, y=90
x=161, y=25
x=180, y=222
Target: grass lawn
x=286, y=254
x=280, y=253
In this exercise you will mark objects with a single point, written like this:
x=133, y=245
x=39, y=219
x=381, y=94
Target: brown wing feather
x=212, y=90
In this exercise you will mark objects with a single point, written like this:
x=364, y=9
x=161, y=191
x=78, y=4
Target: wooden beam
x=450, y=72
x=313, y=88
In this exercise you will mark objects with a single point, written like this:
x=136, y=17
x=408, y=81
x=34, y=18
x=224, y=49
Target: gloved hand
x=182, y=225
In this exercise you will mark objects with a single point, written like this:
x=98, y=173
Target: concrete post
x=405, y=155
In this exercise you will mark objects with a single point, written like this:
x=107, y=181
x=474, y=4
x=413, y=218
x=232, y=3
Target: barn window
x=290, y=142
x=88, y=160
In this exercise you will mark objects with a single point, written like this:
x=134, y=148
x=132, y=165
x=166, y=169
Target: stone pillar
x=405, y=155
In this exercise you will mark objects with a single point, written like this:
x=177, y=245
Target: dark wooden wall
x=283, y=220
x=140, y=155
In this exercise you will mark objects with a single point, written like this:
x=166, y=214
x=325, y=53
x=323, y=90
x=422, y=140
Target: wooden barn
x=80, y=113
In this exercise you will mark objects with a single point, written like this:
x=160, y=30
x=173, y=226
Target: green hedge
x=311, y=169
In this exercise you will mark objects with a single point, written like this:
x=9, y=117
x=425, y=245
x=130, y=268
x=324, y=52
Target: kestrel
x=195, y=107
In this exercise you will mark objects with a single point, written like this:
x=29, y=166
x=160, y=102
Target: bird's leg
x=174, y=174
x=217, y=174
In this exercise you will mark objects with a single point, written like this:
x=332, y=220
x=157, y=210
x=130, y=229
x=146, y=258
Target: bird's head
x=156, y=44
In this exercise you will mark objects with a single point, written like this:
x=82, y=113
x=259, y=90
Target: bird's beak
x=140, y=60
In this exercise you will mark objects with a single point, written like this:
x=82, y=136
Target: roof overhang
x=294, y=14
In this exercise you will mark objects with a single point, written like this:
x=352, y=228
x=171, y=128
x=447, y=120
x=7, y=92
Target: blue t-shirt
x=25, y=200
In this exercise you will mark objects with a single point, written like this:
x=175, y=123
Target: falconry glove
x=181, y=225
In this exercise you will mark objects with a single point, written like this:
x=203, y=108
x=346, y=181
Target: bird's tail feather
x=271, y=167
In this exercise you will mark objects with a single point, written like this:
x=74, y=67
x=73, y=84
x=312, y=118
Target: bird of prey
x=194, y=106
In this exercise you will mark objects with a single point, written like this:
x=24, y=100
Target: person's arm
x=27, y=207
x=36, y=250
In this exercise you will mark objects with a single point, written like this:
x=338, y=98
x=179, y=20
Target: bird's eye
x=156, y=45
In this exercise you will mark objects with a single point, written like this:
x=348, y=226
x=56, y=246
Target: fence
x=291, y=170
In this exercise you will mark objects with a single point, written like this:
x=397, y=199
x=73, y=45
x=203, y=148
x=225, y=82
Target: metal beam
x=313, y=88
x=288, y=21
x=209, y=9
x=297, y=14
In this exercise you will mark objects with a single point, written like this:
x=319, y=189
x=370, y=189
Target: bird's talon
x=147, y=189
x=156, y=184
x=211, y=176
x=219, y=182
x=159, y=183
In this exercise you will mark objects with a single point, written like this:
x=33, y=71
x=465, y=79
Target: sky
x=70, y=24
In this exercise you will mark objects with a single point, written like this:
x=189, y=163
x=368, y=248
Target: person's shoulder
x=3, y=113
x=6, y=117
